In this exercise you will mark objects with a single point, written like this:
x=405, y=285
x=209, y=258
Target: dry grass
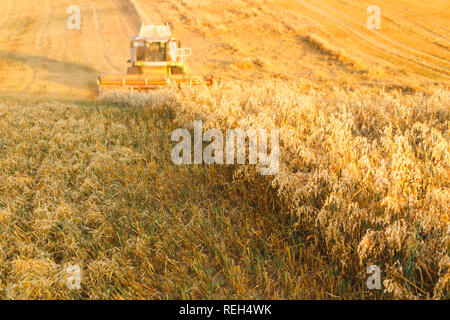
x=93, y=185
x=364, y=180
x=364, y=174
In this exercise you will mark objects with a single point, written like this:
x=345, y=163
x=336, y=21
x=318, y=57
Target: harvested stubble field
x=364, y=169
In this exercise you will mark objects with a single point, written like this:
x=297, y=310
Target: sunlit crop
x=364, y=174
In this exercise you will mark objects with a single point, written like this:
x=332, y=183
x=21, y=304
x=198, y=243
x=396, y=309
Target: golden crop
x=365, y=174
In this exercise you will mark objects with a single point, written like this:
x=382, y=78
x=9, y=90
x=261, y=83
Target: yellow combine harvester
x=157, y=60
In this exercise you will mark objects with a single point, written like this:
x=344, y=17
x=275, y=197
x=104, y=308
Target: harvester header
x=156, y=60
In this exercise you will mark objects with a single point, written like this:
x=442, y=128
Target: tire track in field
x=443, y=27
x=392, y=41
x=424, y=64
x=17, y=28
x=141, y=13
x=38, y=46
x=6, y=16
x=125, y=21
x=12, y=30
x=127, y=18
x=405, y=10
x=399, y=53
x=129, y=14
x=438, y=39
x=101, y=41
x=352, y=30
x=426, y=36
x=14, y=44
x=431, y=65
x=65, y=44
x=125, y=12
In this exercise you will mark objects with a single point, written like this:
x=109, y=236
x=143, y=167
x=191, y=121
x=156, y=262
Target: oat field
x=364, y=174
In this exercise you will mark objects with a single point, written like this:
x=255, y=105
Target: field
x=364, y=169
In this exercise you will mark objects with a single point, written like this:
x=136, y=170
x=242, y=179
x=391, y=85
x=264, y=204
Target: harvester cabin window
x=152, y=52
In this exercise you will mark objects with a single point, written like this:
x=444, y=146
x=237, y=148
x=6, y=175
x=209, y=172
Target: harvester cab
x=157, y=60
x=155, y=51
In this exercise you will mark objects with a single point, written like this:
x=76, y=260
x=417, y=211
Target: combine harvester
x=157, y=60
